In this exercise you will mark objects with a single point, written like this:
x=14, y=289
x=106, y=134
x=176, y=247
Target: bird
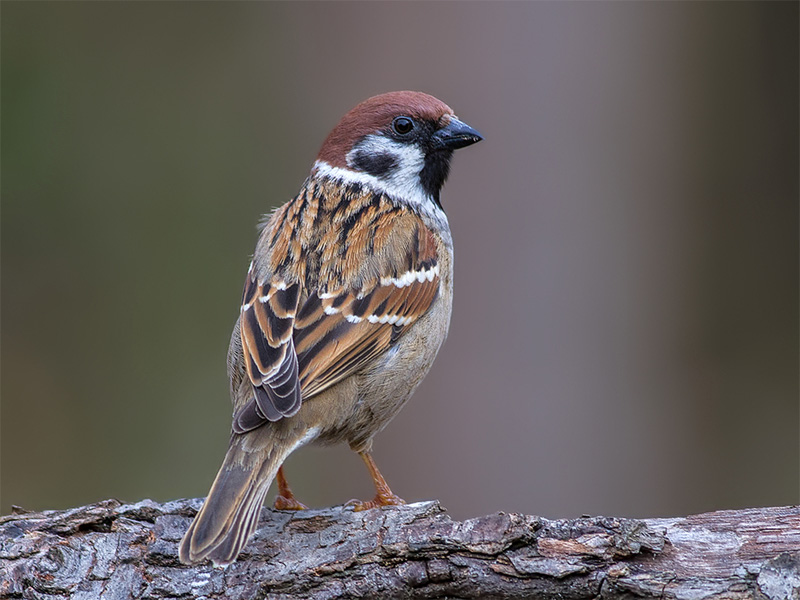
x=346, y=303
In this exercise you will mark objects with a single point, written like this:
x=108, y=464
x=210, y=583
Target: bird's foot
x=285, y=499
x=378, y=500
x=290, y=503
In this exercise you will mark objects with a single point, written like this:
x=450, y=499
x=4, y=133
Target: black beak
x=455, y=135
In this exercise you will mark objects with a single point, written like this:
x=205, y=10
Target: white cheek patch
x=401, y=179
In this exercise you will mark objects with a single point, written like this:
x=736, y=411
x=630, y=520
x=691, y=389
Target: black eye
x=402, y=125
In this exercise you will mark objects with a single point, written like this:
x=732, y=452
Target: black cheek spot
x=376, y=164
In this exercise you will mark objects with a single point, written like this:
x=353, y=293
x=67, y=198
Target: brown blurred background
x=625, y=331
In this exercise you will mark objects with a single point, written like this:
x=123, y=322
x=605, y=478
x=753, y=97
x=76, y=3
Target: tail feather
x=231, y=545
x=230, y=513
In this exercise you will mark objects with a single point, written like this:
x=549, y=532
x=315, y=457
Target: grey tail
x=230, y=513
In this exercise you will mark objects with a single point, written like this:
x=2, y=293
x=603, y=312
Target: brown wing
x=265, y=324
x=338, y=333
x=318, y=313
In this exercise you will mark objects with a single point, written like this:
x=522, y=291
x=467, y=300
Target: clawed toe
x=376, y=502
x=291, y=503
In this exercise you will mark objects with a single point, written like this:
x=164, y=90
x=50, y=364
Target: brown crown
x=375, y=114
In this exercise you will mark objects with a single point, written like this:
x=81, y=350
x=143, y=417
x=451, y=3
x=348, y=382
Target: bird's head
x=400, y=143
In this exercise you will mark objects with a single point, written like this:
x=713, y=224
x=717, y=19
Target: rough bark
x=117, y=551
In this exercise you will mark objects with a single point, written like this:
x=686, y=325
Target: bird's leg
x=383, y=495
x=285, y=499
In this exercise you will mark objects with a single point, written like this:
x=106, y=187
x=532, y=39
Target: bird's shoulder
x=335, y=236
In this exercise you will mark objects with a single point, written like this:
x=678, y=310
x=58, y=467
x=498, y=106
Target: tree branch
x=114, y=551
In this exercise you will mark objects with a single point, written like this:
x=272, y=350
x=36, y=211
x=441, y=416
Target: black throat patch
x=435, y=172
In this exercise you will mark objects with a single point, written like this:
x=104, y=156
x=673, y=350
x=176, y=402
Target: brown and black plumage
x=345, y=306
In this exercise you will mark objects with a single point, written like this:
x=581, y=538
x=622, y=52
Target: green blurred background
x=625, y=331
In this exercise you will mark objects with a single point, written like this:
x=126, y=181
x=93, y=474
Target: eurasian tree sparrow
x=345, y=305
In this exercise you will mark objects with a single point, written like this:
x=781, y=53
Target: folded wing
x=297, y=343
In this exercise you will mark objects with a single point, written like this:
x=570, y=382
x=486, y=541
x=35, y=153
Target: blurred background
x=625, y=331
